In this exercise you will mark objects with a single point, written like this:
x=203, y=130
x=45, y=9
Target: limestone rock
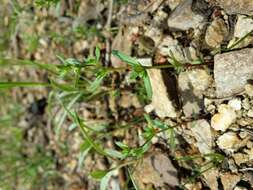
x=192, y=85
x=183, y=18
x=232, y=70
x=222, y=120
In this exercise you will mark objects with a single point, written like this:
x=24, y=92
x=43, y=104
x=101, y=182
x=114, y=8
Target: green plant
x=75, y=80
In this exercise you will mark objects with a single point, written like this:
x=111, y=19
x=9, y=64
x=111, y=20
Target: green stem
x=23, y=84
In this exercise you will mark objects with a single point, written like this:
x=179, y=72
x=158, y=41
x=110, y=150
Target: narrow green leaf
x=22, y=84
x=98, y=174
x=97, y=53
x=133, y=75
x=132, y=179
x=72, y=61
x=148, y=119
x=82, y=155
x=160, y=124
x=63, y=87
x=114, y=153
x=121, y=145
x=123, y=57
x=148, y=86
x=96, y=83
x=72, y=127
x=86, y=135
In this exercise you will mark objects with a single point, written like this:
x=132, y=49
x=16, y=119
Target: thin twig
x=108, y=33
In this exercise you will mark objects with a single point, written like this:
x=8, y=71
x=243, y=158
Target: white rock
x=228, y=141
x=224, y=118
x=236, y=104
x=183, y=18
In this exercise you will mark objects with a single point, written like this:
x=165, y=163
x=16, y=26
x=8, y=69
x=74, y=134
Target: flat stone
x=232, y=70
x=192, y=85
x=237, y=6
x=183, y=18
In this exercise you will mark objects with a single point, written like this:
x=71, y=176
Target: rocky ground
x=206, y=96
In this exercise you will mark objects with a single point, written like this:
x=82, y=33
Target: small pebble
x=240, y=188
x=222, y=120
x=243, y=134
x=249, y=89
x=228, y=141
x=235, y=104
x=250, y=113
x=246, y=104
